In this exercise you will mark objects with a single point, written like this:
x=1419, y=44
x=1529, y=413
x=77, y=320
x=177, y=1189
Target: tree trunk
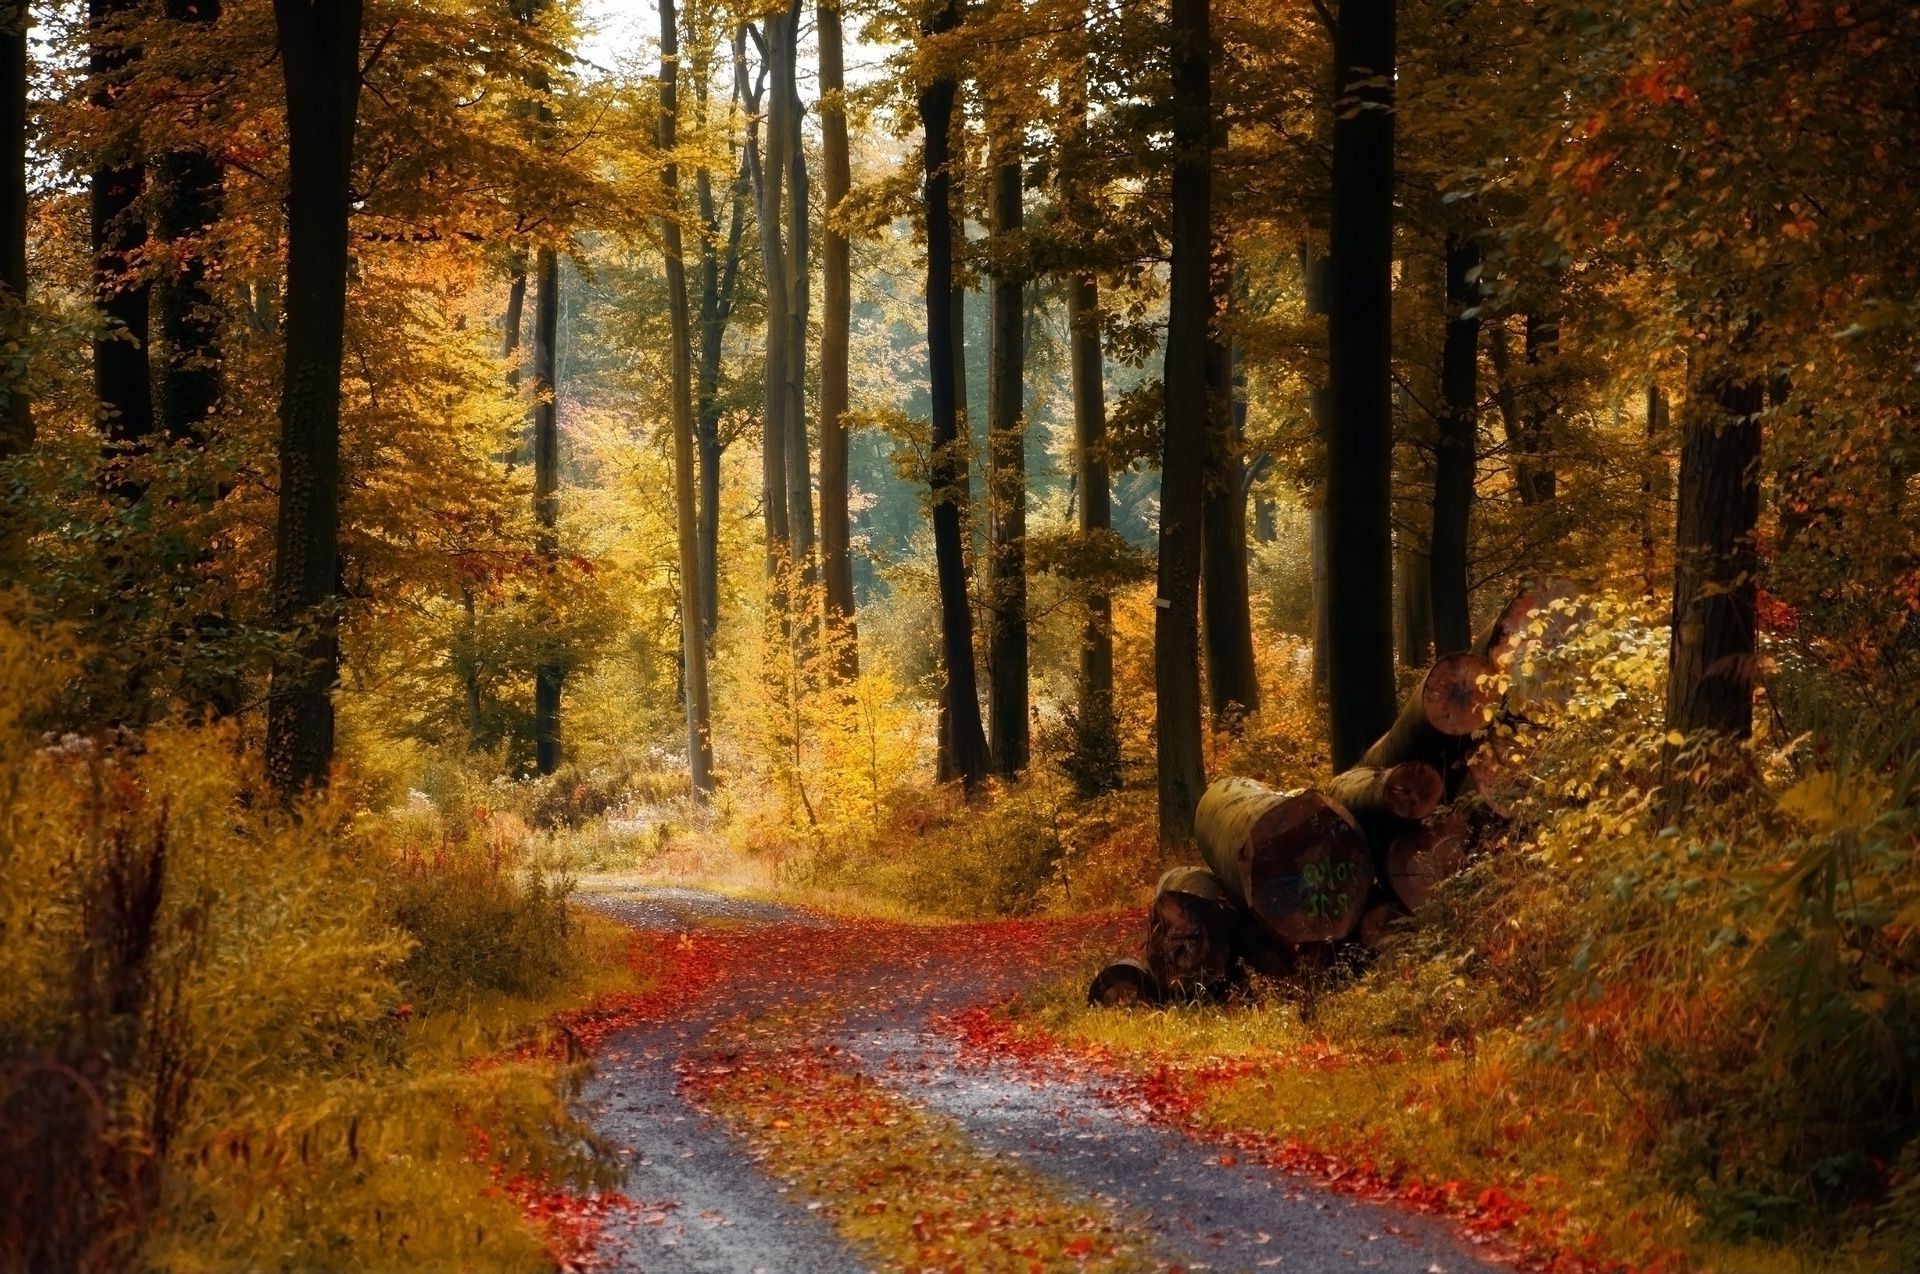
x=693, y=644
x=1297, y=861
x=770, y=188
x=1360, y=687
x=1540, y=482
x=1233, y=682
x=1007, y=483
x=1415, y=626
x=16, y=411
x=719, y=277
x=548, y=675
x=836, y=530
x=1095, y=512
x=1317, y=568
x=1176, y=647
x=799, y=455
x=190, y=192
x=967, y=742
x=1458, y=457
x=1653, y=489
x=1710, y=665
x=320, y=53
x=120, y=376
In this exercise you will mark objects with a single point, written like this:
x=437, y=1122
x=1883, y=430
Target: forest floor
x=797, y=1092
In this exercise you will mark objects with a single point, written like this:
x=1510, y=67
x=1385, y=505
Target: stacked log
x=1290, y=876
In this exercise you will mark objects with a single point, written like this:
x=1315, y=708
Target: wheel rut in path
x=703, y=1205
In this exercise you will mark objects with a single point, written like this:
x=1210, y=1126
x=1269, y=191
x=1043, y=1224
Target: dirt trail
x=879, y=993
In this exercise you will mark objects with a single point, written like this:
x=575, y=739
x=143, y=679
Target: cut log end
x=1308, y=870
x=1123, y=984
x=1189, y=942
x=1379, y=922
x=1420, y=858
x=1457, y=694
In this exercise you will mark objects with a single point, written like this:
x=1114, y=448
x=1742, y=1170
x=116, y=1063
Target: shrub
x=206, y=1056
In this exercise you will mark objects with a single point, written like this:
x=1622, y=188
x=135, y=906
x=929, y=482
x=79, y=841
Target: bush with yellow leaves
x=207, y=1054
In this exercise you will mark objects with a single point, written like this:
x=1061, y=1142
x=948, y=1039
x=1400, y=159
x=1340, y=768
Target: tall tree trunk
x=1095, y=497
x=967, y=742
x=1313, y=284
x=1233, y=682
x=16, y=411
x=1653, y=489
x=946, y=766
x=1710, y=666
x=189, y=182
x=1360, y=685
x=719, y=277
x=320, y=53
x=121, y=381
x=1180, y=766
x=1540, y=483
x=836, y=531
x=770, y=186
x=1415, y=598
x=548, y=675
x=1457, y=459
x=799, y=294
x=693, y=643
x=1007, y=480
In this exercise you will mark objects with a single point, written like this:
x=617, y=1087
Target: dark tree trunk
x=190, y=192
x=1457, y=459
x=1360, y=687
x=836, y=530
x=693, y=643
x=1710, y=666
x=1541, y=482
x=16, y=411
x=1181, y=766
x=548, y=675
x=1233, y=682
x=120, y=376
x=1007, y=484
x=1653, y=489
x=1095, y=499
x=966, y=741
x=1415, y=626
x=320, y=53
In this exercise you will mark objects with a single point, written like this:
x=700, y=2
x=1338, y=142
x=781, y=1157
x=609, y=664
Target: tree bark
x=719, y=277
x=799, y=455
x=1007, y=483
x=1653, y=489
x=836, y=531
x=693, y=644
x=319, y=44
x=121, y=380
x=770, y=188
x=190, y=190
x=1540, y=483
x=16, y=411
x=1176, y=639
x=548, y=674
x=1360, y=687
x=966, y=740
x=1233, y=681
x=1710, y=666
x=1457, y=459
x=1095, y=502
x=1414, y=628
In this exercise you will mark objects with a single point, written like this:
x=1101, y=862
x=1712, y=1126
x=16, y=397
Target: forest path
x=706, y=1094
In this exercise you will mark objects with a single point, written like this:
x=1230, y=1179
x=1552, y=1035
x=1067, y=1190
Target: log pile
x=1294, y=879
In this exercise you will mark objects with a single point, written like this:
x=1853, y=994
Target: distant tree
x=1007, y=691
x=121, y=380
x=16, y=412
x=1457, y=457
x=836, y=270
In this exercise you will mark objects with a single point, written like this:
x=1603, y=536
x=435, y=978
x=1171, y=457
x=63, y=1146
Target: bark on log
x=1449, y=704
x=1422, y=857
x=1382, y=801
x=1190, y=932
x=1122, y=984
x=1298, y=861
